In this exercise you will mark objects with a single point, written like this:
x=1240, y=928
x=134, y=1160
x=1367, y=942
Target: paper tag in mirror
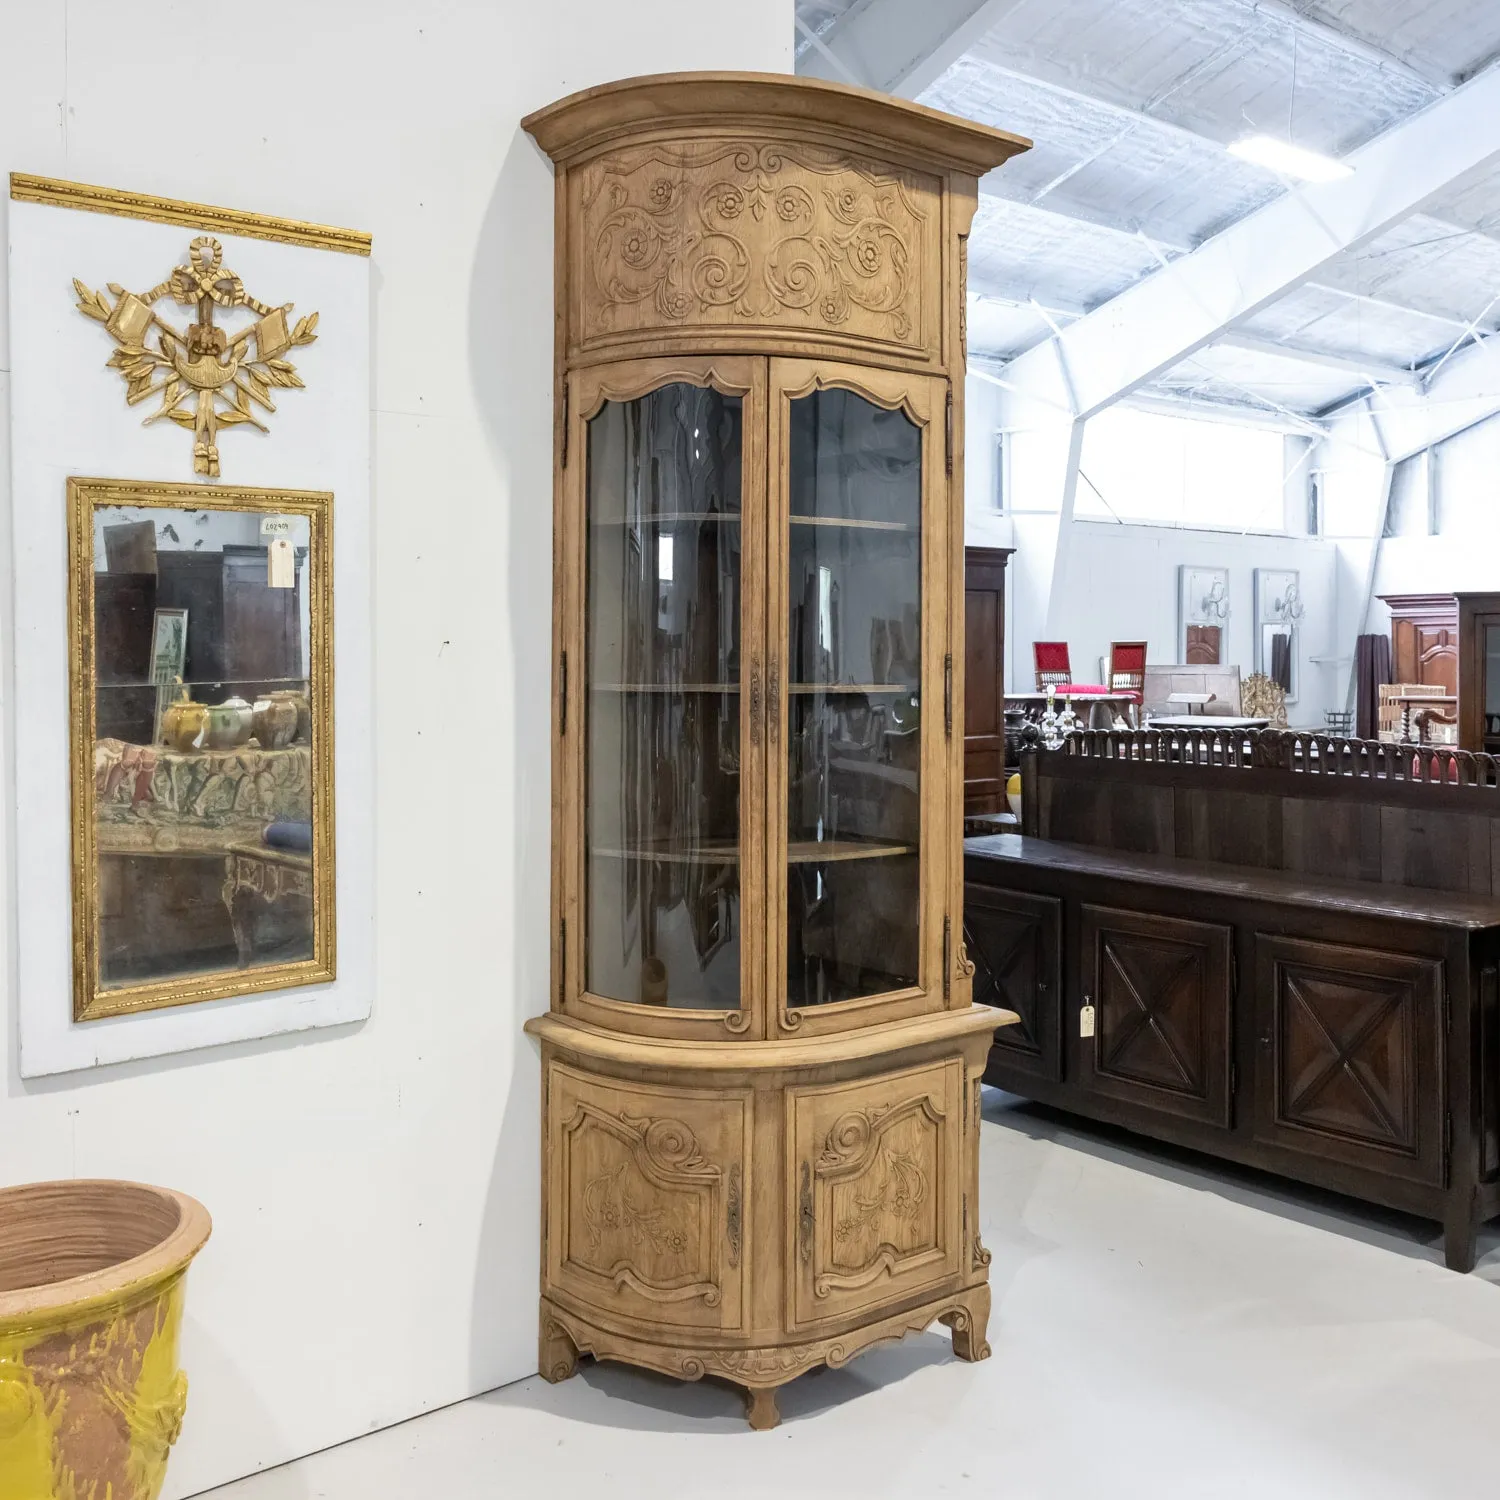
x=281, y=564
x=1086, y=1021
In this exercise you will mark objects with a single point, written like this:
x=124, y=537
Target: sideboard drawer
x=1161, y=992
x=1014, y=941
x=1349, y=1055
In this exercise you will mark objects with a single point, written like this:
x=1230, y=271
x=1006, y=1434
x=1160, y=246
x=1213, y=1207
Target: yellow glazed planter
x=91, y=1288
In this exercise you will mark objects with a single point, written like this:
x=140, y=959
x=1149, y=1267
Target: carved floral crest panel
x=734, y=233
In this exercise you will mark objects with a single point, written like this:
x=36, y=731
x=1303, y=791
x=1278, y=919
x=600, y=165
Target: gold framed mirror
x=201, y=672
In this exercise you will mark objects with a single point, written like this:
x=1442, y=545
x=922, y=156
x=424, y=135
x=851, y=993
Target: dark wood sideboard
x=1290, y=944
x=984, y=679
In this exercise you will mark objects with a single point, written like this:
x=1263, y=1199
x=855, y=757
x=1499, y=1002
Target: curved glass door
x=855, y=700
x=662, y=772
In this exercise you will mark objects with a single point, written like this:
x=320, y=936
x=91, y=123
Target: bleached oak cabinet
x=762, y=1062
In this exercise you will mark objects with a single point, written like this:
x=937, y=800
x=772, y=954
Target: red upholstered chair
x=1127, y=667
x=1052, y=667
x=1127, y=672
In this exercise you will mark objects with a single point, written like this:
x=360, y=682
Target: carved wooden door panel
x=1350, y=1055
x=875, y=1190
x=1014, y=942
x=1161, y=992
x=1437, y=657
x=647, y=1192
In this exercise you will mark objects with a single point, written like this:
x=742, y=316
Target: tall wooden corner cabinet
x=761, y=1063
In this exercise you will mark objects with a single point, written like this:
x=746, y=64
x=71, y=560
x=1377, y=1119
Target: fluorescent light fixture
x=1289, y=160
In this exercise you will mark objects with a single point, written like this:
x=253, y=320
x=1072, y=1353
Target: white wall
x=1122, y=585
x=1464, y=554
x=375, y=1190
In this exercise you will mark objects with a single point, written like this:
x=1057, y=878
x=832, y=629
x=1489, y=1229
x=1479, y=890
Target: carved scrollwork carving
x=647, y=1215
x=876, y=1172
x=743, y=232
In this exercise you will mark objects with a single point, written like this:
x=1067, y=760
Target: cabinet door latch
x=562, y=694
x=566, y=423
x=947, y=958
x=948, y=434
x=948, y=695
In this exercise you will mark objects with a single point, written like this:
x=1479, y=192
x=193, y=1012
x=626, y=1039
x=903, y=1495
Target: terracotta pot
x=184, y=723
x=275, y=722
x=91, y=1290
x=229, y=724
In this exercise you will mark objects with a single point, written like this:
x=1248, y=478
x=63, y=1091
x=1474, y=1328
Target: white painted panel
x=70, y=418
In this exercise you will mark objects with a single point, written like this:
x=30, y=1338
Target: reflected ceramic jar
x=229, y=724
x=275, y=721
x=184, y=723
x=303, y=732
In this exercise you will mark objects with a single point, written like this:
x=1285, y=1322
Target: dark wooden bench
x=1286, y=948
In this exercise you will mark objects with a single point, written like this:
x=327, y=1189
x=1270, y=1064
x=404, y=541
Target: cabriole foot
x=970, y=1321
x=557, y=1357
x=761, y=1410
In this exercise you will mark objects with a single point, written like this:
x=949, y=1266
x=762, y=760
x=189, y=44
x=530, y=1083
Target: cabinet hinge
x=948, y=695
x=948, y=434
x=566, y=423
x=562, y=694
x=562, y=960
x=947, y=957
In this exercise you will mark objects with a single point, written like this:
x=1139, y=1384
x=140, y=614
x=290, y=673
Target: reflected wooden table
x=255, y=873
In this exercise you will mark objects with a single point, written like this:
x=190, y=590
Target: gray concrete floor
x=1162, y=1328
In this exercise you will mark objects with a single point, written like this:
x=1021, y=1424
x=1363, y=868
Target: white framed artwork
x=1202, y=615
x=89, y=361
x=1278, y=636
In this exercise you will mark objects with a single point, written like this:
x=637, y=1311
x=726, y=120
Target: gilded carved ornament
x=205, y=376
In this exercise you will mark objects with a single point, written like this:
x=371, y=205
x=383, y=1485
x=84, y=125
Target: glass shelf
x=205, y=682
x=675, y=518
x=664, y=687
x=726, y=852
x=849, y=523
x=867, y=689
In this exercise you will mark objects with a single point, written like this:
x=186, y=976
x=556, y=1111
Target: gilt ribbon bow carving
x=205, y=376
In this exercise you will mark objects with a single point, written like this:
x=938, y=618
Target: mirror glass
x=207, y=759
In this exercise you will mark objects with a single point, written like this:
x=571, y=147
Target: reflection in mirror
x=207, y=782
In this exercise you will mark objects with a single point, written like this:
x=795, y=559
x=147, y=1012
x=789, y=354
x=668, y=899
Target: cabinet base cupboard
x=761, y=1063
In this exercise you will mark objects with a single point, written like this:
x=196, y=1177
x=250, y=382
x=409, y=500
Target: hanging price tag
x=281, y=565
x=1086, y=1021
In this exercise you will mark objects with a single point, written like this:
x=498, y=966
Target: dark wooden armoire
x=984, y=678
x=1424, y=639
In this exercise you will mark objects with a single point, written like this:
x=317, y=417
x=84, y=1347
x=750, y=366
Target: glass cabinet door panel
x=854, y=708
x=662, y=770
